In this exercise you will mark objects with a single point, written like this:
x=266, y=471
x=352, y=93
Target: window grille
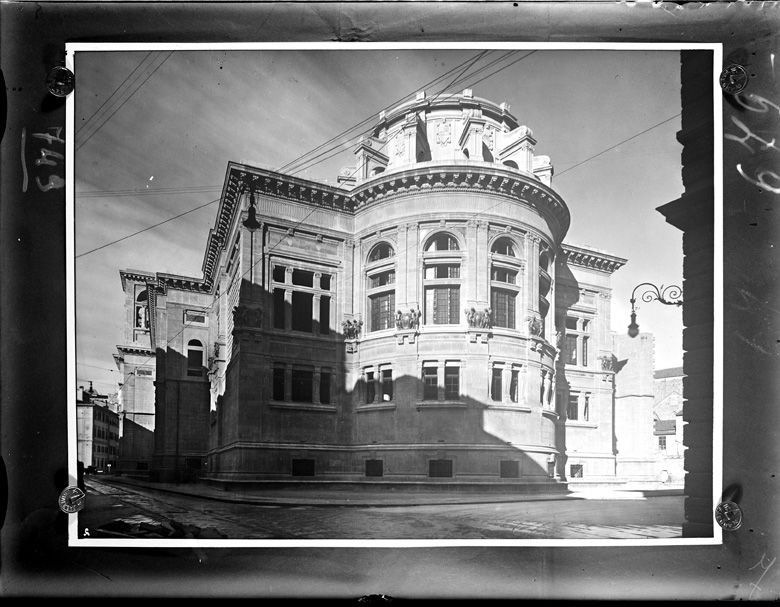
x=440, y=468
x=303, y=467
x=510, y=469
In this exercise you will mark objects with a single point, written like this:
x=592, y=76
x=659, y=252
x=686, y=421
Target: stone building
x=422, y=321
x=136, y=361
x=97, y=430
x=668, y=424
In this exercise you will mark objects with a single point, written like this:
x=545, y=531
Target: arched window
x=381, y=251
x=504, y=282
x=504, y=246
x=442, y=280
x=380, y=287
x=442, y=242
x=194, y=358
x=142, y=310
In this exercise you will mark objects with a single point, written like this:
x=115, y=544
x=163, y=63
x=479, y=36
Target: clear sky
x=155, y=130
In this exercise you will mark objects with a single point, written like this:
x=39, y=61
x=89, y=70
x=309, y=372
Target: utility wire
x=87, y=124
x=619, y=143
x=108, y=244
x=80, y=145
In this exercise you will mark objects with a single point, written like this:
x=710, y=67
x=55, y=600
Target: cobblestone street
x=120, y=510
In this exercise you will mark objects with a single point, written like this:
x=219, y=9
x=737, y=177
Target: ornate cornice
x=125, y=349
x=591, y=259
x=134, y=276
x=466, y=177
x=485, y=178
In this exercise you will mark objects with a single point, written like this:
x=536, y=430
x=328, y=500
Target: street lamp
x=669, y=296
x=251, y=224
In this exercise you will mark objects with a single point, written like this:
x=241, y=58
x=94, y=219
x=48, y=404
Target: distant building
x=668, y=424
x=423, y=321
x=97, y=429
x=137, y=364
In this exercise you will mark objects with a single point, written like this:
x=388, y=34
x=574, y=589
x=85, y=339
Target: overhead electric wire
x=86, y=125
x=619, y=143
x=337, y=149
x=371, y=119
x=146, y=229
x=80, y=145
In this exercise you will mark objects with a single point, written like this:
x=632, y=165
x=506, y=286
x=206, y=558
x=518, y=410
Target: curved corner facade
x=422, y=322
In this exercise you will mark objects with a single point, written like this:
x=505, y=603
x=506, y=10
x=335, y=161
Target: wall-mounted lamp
x=251, y=223
x=669, y=296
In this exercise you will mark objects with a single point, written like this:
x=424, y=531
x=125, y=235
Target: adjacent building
x=423, y=321
x=668, y=424
x=97, y=430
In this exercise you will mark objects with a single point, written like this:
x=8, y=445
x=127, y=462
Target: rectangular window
x=325, y=387
x=442, y=271
x=442, y=305
x=382, y=311
x=662, y=443
x=279, y=272
x=387, y=384
x=303, y=467
x=440, y=468
x=514, y=386
x=302, y=384
x=571, y=349
x=452, y=383
x=370, y=387
x=430, y=383
x=198, y=318
x=303, y=278
x=576, y=471
x=143, y=372
x=586, y=408
x=301, y=311
x=375, y=467
x=503, y=275
x=572, y=409
x=194, y=363
x=279, y=308
x=278, y=383
x=382, y=279
x=571, y=323
x=510, y=469
x=325, y=282
x=503, y=305
x=495, y=385
x=325, y=316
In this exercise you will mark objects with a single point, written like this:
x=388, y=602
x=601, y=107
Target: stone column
x=315, y=389
x=506, y=382
x=532, y=274
x=288, y=383
x=481, y=265
x=288, y=299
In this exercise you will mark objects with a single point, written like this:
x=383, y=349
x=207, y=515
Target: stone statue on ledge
x=535, y=327
x=351, y=328
x=410, y=320
x=481, y=320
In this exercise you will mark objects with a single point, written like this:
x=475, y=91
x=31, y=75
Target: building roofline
x=591, y=258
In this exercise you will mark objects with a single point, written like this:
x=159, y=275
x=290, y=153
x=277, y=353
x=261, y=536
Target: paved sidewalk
x=323, y=496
